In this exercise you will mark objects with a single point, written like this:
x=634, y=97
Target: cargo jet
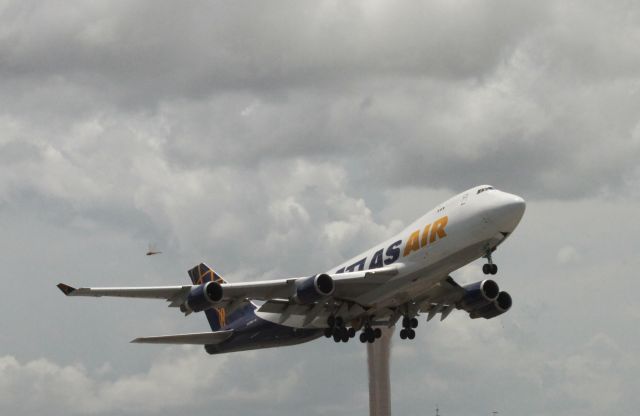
x=394, y=281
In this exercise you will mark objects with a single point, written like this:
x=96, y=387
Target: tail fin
x=218, y=317
x=203, y=274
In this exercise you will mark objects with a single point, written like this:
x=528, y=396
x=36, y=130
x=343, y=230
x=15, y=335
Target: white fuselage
x=453, y=234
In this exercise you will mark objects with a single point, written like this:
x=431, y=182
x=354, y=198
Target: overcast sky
x=277, y=138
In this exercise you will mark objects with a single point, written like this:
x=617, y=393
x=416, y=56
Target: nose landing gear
x=489, y=267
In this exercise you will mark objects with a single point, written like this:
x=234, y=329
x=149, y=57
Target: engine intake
x=479, y=294
x=204, y=296
x=313, y=288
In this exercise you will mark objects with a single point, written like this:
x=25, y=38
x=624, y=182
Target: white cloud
x=182, y=379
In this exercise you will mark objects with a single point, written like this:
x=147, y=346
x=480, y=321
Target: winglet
x=66, y=289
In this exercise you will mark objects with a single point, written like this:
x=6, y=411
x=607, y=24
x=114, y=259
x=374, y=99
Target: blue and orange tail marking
x=203, y=274
x=217, y=317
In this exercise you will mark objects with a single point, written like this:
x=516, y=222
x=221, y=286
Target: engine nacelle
x=479, y=294
x=204, y=296
x=499, y=306
x=313, y=288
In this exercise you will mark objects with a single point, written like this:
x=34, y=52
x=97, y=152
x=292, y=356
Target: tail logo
x=222, y=316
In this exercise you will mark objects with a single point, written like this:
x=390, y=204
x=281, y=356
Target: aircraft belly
x=264, y=334
x=296, y=316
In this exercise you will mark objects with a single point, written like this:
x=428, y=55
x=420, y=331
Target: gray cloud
x=203, y=47
x=487, y=89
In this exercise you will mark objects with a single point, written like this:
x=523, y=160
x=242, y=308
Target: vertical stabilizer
x=218, y=318
x=203, y=274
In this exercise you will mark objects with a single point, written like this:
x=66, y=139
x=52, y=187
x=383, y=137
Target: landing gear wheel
x=328, y=332
x=411, y=334
x=377, y=332
x=369, y=334
x=493, y=269
x=486, y=268
x=414, y=322
x=406, y=322
x=344, y=335
x=403, y=334
x=351, y=332
x=363, y=337
x=337, y=337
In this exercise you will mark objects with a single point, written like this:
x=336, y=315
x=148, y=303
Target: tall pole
x=378, y=355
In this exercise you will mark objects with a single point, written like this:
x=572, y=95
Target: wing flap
x=441, y=299
x=199, y=338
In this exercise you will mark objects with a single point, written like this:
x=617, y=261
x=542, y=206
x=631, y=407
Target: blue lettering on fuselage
x=359, y=264
x=376, y=260
x=391, y=255
x=393, y=252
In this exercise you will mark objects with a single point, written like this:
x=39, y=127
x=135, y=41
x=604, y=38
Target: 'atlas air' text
x=417, y=240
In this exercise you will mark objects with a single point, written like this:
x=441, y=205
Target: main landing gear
x=489, y=267
x=340, y=333
x=369, y=334
x=408, y=325
x=337, y=330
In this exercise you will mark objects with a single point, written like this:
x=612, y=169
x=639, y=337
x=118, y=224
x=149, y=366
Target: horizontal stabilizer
x=200, y=338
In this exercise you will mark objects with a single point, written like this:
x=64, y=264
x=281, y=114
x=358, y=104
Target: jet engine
x=204, y=296
x=313, y=288
x=479, y=294
x=484, y=300
x=497, y=307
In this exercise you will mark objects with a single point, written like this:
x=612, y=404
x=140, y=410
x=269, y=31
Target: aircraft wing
x=172, y=294
x=347, y=285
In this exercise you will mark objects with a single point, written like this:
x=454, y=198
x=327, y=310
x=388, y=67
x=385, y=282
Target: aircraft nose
x=507, y=212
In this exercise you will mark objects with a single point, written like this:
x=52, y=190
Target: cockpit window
x=486, y=188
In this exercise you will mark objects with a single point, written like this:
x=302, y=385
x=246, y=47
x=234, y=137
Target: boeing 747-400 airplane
x=397, y=279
